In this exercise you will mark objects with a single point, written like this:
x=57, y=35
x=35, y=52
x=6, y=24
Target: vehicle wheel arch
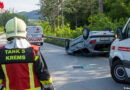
x=116, y=59
x=119, y=61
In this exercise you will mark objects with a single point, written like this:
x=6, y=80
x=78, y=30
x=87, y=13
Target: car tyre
x=108, y=29
x=67, y=43
x=41, y=43
x=118, y=72
x=86, y=33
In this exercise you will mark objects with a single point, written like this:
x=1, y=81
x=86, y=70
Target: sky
x=21, y=5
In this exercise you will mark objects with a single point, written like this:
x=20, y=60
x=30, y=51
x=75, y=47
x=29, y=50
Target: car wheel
x=86, y=33
x=41, y=43
x=108, y=29
x=67, y=42
x=118, y=72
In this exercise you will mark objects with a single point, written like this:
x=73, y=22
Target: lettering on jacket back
x=16, y=56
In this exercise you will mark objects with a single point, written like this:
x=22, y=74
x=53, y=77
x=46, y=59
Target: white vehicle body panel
x=35, y=34
x=122, y=49
x=101, y=37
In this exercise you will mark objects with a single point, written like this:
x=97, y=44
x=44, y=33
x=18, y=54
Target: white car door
x=124, y=45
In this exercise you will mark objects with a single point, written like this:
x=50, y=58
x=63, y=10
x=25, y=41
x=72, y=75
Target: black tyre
x=118, y=72
x=67, y=42
x=41, y=43
x=86, y=33
x=108, y=29
x=67, y=46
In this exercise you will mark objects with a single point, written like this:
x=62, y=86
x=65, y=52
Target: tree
x=7, y=16
x=48, y=9
x=101, y=6
x=117, y=9
x=78, y=11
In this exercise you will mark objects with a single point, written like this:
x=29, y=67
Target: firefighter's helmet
x=15, y=28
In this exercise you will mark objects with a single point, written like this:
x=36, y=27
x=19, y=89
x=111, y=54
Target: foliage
x=1, y=29
x=55, y=42
x=65, y=32
x=74, y=11
x=117, y=9
x=101, y=22
x=6, y=16
x=49, y=11
x=77, y=14
x=78, y=11
x=98, y=22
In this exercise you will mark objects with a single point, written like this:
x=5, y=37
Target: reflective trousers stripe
x=6, y=76
x=39, y=88
x=1, y=81
x=36, y=58
x=30, y=65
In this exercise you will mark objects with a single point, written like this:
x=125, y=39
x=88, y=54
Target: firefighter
x=22, y=66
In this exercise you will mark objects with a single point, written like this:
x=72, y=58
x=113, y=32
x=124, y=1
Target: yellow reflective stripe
x=30, y=65
x=36, y=58
x=1, y=81
x=6, y=76
x=39, y=88
x=46, y=82
x=5, y=89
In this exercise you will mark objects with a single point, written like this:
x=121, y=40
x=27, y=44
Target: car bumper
x=99, y=52
x=40, y=41
x=126, y=64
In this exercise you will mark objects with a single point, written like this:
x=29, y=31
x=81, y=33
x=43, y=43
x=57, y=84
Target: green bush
x=65, y=32
x=101, y=22
x=55, y=42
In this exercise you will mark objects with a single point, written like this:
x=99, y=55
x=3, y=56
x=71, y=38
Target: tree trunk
x=62, y=15
x=76, y=20
x=101, y=6
x=51, y=22
x=58, y=13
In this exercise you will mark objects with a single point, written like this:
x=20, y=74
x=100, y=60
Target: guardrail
x=57, y=38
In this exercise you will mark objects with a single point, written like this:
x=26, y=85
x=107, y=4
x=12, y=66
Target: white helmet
x=15, y=28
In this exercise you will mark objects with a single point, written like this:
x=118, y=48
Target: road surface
x=77, y=72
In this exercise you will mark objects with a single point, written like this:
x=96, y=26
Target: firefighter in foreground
x=22, y=66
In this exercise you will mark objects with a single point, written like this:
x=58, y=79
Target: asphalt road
x=77, y=72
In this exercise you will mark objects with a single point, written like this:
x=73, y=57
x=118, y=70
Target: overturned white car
x=97, y=42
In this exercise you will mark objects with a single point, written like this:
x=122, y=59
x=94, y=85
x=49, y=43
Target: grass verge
x=55, y=42
x=1, y=30
x=1, y=34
